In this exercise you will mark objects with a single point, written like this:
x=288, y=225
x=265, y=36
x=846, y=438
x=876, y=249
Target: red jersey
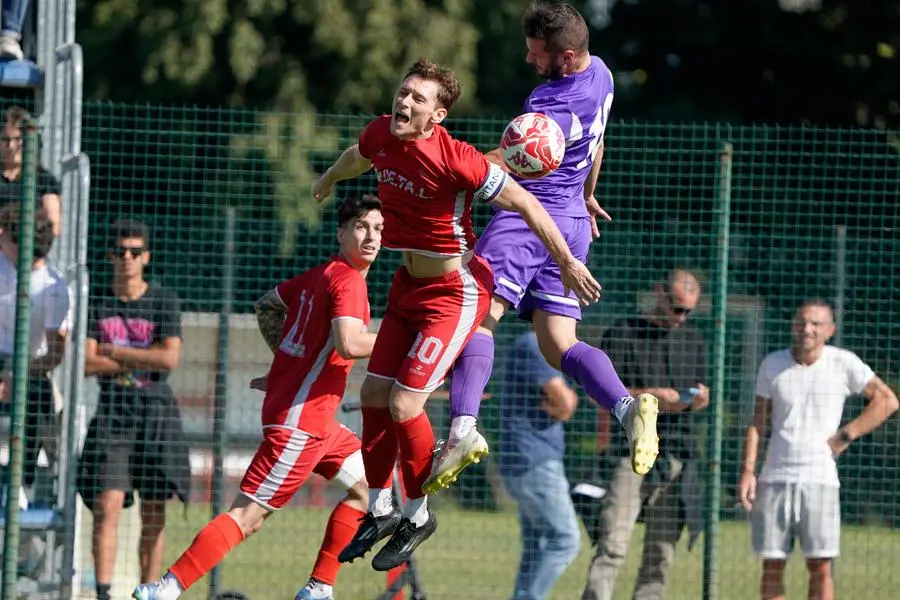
x=426, y=188
x=308, y=377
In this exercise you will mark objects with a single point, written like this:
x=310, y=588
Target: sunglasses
x=121, y=252
x=676, y=308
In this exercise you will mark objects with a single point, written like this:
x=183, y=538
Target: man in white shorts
x=802, y=390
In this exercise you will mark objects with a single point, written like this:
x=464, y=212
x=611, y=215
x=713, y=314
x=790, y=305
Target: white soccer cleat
x=640, y=427
x=164, y=589
x=156, y=591
x=315, y=590
x=451, y=461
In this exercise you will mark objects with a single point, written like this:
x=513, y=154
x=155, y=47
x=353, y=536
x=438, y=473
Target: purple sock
x=470, y=375
x=591, y=368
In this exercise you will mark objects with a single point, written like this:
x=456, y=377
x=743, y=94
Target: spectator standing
x=135, y=440
x=51, y=313
x=800, y=393
x=663, y=354
x=535, y=404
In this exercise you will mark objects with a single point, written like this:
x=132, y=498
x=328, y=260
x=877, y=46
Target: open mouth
x=401, y=118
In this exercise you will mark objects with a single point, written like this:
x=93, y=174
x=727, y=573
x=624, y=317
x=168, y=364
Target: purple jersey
x=580, y=103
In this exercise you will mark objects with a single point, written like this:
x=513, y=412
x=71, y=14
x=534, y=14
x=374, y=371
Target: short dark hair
x=817, y=303
x=561, y=27
x=355, y=207
x=448, y=85
x=10, y=219
x=129, y=228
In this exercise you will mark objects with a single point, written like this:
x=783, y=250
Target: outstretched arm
x=574, y=274
x=349, y=165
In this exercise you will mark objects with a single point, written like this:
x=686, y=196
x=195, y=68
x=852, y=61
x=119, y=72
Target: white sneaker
x=164, y=589
x=10, y=48
x=640, y=427
x=315, y=590
x=451, y=461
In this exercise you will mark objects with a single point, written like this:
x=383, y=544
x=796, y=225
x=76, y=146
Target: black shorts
x=115, y=456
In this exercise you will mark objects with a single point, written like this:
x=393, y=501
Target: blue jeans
x=13, y=15
x=551, y=537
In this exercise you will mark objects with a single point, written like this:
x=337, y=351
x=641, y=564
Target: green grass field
x=474, y=555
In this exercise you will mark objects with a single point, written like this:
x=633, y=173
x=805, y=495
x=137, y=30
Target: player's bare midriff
x=420, y=265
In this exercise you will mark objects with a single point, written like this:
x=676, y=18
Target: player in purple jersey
x=578, y=94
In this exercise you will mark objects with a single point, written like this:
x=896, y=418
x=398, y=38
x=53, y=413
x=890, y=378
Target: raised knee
x=406, y=405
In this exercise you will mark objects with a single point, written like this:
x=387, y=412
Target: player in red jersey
x=316, y=324
x=427, y=182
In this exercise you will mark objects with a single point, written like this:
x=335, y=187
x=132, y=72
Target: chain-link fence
x=226, y=196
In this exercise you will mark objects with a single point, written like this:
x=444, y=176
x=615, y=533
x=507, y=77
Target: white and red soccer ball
x=533, y=145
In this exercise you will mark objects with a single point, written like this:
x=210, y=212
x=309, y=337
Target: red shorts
x=286, y=457
x=427, y=323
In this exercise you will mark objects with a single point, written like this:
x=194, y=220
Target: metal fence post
x=717, y=408
x=20, y=359
x=221, y=397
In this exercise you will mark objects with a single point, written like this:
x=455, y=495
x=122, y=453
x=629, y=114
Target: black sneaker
x=401, y=545
x=372, y=530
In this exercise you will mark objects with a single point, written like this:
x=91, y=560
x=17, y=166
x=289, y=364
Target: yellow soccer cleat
x=640, y=427
x=450, y=462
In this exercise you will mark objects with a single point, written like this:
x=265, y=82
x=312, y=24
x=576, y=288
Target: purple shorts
x=524, y=273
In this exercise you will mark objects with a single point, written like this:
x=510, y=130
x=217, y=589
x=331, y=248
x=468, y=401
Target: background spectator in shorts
x=11, y=144
x=51, y=312
x=801, y=391
x=535, y=404
x=135, y=440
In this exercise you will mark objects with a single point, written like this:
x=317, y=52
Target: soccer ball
x=533, y=145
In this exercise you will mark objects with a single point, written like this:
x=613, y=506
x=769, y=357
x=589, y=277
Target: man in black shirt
x=11, y=145
x=659, y=353
x=135, y=440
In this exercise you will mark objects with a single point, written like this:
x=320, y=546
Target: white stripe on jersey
x=459, y=233
x=293, y=416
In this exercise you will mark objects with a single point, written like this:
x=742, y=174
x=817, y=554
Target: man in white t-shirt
x=51, y=311
x=801, y=391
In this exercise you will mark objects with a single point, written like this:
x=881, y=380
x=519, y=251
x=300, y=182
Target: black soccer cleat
x=402, y=544
x=371, y=530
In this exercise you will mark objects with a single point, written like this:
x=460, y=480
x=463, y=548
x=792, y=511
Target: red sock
x=210, y=546
x=339, y=531
x=416, y=439
x=379, y=446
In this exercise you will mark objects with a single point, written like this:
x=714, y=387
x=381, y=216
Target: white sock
x=381, y=501
x=620, y=410
x=319, y=589
x=460, y=428
x=416, y=510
